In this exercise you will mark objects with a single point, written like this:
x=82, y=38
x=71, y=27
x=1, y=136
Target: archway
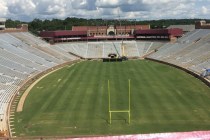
x=111, y=33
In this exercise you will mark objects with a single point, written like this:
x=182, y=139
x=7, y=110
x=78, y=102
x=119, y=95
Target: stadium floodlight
x=120, y=111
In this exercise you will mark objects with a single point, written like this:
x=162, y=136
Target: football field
x=73, y=101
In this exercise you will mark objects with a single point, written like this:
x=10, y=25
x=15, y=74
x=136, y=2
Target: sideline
x=25, y=94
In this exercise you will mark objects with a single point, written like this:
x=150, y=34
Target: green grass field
x=74, y=101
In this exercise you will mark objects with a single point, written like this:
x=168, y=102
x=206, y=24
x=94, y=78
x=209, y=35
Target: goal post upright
x=110, y=113
x=129, y=101
x=119, y=111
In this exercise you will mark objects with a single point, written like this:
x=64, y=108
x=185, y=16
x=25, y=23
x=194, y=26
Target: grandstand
x=190, y=52
x=101, y=49
x=21, y=59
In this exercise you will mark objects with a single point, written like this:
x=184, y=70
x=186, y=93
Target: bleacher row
x=192, y=51
x=102, y=49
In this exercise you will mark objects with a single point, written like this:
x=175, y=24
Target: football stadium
x=105, y=82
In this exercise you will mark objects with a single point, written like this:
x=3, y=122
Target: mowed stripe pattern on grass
x=74, y=101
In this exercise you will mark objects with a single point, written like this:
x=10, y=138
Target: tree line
x=38, y=25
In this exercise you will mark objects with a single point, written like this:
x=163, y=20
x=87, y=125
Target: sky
x=27, y=10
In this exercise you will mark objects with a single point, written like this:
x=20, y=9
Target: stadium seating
x=130, y=49
x=147, y=47
x=191, y=51
x=66, y=49
x=5, y=79
x=194, y=36
x=103, y=49
x=112, y=47
x=30, y=39
x=22, y=56
x=95, y=50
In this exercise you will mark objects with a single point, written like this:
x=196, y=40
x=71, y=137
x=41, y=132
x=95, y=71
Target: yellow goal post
x=120, y=111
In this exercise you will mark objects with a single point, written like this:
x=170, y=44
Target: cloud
x=109, y=3
x=3, y=8
x=134, y=7
x=138, y=9
x=204, y=10
x=84, y=4
x=21, y=6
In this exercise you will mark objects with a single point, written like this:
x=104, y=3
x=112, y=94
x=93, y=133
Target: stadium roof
x=167, y=32
x=62, y=33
